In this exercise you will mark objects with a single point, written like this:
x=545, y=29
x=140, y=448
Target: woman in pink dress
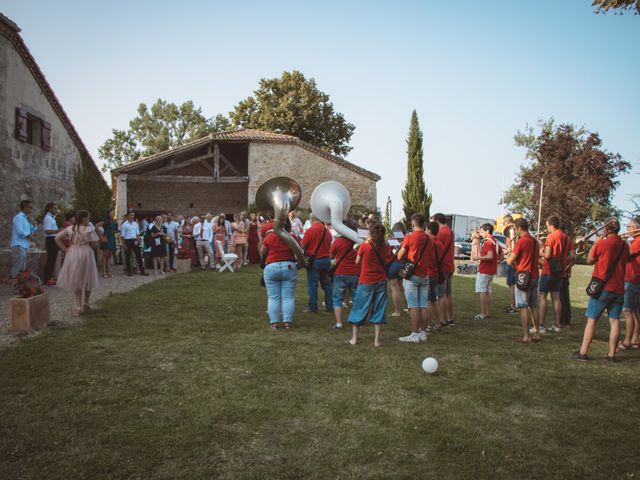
x=220, y=232
x=254, y=240
x=79, y=271
x=239, y=240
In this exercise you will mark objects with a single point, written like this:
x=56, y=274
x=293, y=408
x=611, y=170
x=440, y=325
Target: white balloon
x=430, y=365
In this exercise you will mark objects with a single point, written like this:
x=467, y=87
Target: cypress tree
x=415, y=198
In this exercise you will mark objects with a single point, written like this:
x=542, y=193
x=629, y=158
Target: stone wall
x=308, y=169
x=27, y=171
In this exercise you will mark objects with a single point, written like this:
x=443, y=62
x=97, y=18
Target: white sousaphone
x=330, y=203
x=280, y=195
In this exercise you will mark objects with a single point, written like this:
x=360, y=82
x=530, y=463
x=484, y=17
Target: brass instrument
x=330, y=203
x=281, y=195
x=630, y=234
x=582, y=243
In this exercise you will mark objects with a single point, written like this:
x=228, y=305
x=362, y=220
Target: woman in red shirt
x=371, y=297
x=280, y=276
x=631, y=290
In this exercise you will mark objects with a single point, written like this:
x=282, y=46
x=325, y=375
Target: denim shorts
x=483, y=283
x=549, y=283
x=369, y=301
x=394, y=268
x=416, y=290
x=445, y=288
x=510, y=273
x=342, y=283
x=631, y=296
x=528, y=298
x=610, y=301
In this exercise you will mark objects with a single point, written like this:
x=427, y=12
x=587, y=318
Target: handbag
x=556, y=264
x=409, y=268
x=523, y=277
x=241, y=239
x=310, y=259
x=332, y=270
x=596, y=285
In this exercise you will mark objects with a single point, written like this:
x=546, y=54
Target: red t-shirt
x=265, y=227
x=278, y=251
x=312, y=238
x=413, y=244
x=604, y=252
x=632, y=273
x=489, y=267
x=339, y=248
x=372, y=270
x=445, y=236
x=560, y=246
x=524, y=250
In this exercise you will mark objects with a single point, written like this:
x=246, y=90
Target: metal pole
x=540, y=206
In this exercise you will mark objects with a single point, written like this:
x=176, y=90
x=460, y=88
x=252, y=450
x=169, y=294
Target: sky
x=476, y=72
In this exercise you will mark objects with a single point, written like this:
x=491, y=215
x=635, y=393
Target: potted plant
x=29, y=310
x=183, y=262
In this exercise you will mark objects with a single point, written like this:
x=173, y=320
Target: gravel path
x=61, y=302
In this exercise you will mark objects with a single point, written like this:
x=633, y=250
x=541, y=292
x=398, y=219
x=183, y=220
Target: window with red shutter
x=46, y=135
x=21, y=125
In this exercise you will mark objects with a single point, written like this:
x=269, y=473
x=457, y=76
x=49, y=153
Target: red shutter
x=21, y=125
x=46, y=135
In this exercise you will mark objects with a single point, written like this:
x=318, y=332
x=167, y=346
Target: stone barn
x=39, y=146
x=223, y=171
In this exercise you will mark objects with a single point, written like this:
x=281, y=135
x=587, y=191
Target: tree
x=91, y=192
x=387, y=217
x=415, y=197
x=165, y=125
x=295, y=106
x=603, y=6
x=579, y=175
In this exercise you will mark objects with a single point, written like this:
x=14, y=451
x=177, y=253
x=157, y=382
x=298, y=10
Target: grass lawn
x=182, y=379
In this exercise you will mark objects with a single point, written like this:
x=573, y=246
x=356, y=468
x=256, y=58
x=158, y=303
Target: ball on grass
x=430, y=365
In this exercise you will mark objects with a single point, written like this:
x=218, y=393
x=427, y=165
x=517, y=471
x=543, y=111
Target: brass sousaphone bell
x=330, y=203
x=280, y=195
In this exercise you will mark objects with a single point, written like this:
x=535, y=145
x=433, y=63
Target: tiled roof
x=248, y=135
x=11, y=32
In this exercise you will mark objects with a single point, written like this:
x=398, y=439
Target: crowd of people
x=418, y=263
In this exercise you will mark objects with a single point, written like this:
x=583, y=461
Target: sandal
x=522, y=342
x=635, y=346
x=287, y=326
x=623, y=348
x=274, y=326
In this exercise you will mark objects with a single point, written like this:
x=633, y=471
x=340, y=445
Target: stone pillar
x=121, y=197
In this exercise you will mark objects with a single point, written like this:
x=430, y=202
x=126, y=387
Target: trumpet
x=582, y=243
x=630, y=234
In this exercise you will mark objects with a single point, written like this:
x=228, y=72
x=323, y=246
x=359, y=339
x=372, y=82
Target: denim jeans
x=320, y=272
x=280, y=280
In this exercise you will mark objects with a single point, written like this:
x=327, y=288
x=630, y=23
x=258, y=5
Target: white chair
x=228, y=258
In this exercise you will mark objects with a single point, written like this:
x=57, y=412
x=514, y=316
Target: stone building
x=39, y=146
x=223, y=171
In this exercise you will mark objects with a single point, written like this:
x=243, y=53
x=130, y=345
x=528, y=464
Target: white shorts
x=483, y=283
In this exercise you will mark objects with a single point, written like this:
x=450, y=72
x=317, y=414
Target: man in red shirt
x=436, y=323
x=346, y=273
x=490, y=252
x=524, y=258
x=632, y=289
x=446, y=238
x=609, y=257
x=316, y=243
x=556, y=251
x=418, y=248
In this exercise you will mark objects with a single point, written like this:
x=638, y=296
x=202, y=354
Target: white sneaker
x=555, y=329
x=422, y=335
x=413, y=338
x=542, y=329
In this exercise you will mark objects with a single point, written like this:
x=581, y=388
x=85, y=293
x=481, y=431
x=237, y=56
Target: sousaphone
x=330, y=203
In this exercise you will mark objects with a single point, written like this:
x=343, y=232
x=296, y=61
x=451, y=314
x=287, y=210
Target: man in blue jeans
x=316, y=244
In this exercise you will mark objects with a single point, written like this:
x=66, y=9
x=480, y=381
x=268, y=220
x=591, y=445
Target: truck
x=462, y=226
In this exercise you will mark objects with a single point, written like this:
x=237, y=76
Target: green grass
x=181, y=379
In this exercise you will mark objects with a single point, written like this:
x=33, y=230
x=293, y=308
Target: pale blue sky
x=475, y=71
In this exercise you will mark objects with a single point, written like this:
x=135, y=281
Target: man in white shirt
x=172, y=234
x=203, y=235
x=130, y=232
x=296, y=224
x=50, y=227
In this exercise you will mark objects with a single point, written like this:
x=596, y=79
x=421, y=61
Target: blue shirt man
x=22, y=231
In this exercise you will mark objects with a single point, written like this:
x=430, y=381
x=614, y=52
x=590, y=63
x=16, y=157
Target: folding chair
x=228, y=258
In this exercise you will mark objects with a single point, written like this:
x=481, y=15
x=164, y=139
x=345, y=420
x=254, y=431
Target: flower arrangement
x=183, y=253
x=26, y=284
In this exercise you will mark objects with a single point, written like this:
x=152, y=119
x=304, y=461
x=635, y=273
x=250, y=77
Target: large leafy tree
x=165, y=125
x=579, y=175
x=295, y=106
x=603, y=6
x=415, y=197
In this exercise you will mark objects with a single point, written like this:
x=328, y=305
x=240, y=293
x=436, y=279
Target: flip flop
x=623, y=348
